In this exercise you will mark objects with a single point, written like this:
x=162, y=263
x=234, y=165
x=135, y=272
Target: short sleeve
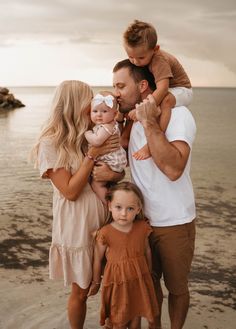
x=160, y=68
x=182, y=126
x=101, y=237
x=145, y=227
x=148, y=229
x=46, y=157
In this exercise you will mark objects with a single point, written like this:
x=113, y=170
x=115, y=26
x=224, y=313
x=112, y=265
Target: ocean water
x=214, y=150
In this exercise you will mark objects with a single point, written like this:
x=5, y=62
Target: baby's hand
x=93, y=289
x=132, y=115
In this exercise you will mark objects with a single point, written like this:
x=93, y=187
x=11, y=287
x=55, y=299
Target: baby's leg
x=143, y=153
x=100, y=189
x=166, y=105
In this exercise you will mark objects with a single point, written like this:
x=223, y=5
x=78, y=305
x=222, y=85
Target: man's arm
x=170, y=157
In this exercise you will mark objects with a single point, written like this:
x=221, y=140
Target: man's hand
x=147, y=111
x=103, y=173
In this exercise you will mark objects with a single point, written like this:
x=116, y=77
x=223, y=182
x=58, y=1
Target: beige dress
x=71, y=251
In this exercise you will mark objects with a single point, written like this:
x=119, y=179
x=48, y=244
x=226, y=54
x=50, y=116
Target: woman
x=77, y=212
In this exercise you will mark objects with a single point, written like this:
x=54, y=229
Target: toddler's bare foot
x=143, y=153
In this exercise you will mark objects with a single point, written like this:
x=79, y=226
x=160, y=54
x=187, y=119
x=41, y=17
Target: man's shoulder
x=182, y=124
x=181, y=111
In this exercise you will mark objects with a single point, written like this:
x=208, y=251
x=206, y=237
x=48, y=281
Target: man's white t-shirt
x=167, y=202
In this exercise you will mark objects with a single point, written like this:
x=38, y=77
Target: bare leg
x=178, y=309
x=166, y=105
x=119, y=327
x=77, y=306
x=135, y=323
x=100, y=189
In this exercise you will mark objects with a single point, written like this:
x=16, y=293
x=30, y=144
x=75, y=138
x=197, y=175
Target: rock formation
x=8, y=101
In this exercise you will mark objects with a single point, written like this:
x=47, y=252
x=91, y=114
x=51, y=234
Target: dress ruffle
x=134, y=300
x=70, y=263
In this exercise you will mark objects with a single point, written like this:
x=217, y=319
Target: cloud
x=195, y=30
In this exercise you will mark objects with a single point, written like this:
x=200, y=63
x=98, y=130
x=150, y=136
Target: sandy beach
x=32, y=301
x=29, y=300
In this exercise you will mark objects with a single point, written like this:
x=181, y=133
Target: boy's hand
x=93, y=289
x=132, y=115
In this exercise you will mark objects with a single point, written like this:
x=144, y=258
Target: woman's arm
x=99, y=252
x=72, y=185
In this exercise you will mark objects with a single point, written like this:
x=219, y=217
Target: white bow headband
x=99, y=99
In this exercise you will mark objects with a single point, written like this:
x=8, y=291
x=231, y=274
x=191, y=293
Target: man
x=165, y=182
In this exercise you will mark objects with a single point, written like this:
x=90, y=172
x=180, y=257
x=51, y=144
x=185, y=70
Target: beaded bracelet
x=90, y=157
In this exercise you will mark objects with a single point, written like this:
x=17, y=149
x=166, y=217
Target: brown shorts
x=172, y=253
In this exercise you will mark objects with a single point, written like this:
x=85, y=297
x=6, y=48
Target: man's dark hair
x=138, y=73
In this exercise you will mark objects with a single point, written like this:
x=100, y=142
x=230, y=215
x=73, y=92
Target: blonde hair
x=127, y=187
x=140, y=33
x=67, y=123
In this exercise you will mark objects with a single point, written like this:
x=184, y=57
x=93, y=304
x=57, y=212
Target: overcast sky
x=43, y=42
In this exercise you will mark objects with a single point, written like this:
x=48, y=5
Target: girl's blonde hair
x=67, y=123
x=127, y=187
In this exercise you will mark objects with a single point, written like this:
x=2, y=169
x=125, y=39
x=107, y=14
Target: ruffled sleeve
x=146, y=228
x=101, y=236
x=46, y=157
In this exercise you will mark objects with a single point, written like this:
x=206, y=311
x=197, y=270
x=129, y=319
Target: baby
x=104, y=108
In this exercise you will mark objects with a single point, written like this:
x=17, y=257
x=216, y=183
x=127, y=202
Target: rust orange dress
x=127, y=286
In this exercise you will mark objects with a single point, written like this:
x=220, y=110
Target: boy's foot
x=142, y=154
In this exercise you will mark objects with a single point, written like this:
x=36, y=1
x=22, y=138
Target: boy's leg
x=166, y=105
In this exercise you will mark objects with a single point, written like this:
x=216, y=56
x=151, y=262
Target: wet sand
x=32, y=301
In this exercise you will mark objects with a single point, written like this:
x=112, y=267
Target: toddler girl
x=104, y=108
x=127, y=292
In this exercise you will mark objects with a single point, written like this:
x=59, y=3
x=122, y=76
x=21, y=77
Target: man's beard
x=124, y=110
x=128, y=107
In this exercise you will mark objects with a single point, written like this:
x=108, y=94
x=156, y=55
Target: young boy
x=140, y=43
